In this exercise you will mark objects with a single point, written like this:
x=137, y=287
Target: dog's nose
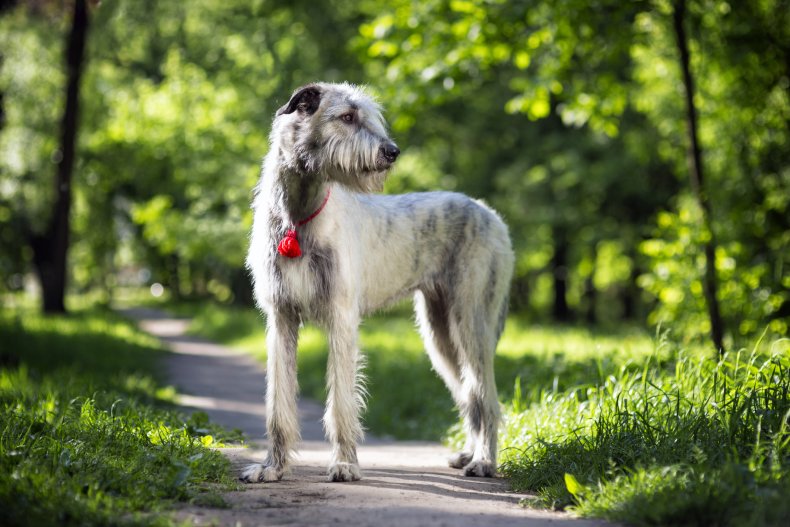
x=390, y=151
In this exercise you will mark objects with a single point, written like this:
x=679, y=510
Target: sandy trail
x=404, y=483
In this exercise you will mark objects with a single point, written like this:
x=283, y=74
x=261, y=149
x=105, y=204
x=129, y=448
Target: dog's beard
x=368, y=181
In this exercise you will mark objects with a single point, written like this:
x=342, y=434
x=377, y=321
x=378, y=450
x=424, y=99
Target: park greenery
x=88, y=433
x=638, y=150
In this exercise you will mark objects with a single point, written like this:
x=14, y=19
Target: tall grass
x=704, y=442
x=85, y=435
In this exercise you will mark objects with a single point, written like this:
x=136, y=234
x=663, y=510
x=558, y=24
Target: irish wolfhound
x=324, y=248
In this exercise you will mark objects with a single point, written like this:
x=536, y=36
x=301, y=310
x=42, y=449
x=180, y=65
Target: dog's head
x=337, y=130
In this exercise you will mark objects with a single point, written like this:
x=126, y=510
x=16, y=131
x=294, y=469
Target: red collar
x=289, y=245
x=317, y=212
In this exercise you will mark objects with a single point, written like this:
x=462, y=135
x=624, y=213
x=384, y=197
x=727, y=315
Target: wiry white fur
x=362, y=253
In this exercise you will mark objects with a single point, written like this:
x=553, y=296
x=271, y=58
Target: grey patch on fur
x=438, y=317
x=491, y=284
x=475, y=413
x=278, y=450
x=286, y=319
x=348, y=452
x=322, y=267
x=430, y=223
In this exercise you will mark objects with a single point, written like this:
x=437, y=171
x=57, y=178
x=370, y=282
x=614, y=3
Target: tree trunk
x=173, y=262
x=590, y=293
x=559, y=269
x=710, y=280
x=50, y=248
x=519, y=293
x=2, y=103
x=241, y=287
x=630, y=291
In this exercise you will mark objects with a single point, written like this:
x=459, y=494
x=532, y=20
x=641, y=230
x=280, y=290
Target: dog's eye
x=347, y=117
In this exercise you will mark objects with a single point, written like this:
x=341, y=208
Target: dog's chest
x=306, y=281
x=295, y=280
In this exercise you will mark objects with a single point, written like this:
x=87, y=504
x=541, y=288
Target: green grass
x=696, y=442
x=86, y=436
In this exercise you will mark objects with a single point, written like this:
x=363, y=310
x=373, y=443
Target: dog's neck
x=300, y=193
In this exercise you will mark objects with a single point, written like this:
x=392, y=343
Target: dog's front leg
x=345, y=400
x=282, y=419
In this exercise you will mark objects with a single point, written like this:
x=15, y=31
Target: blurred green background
x=639, y=151
x=567, y=116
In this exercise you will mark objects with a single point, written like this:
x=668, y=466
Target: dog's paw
x=344, y=472
x=459, y=459
x=257, y=473
x=480, y=469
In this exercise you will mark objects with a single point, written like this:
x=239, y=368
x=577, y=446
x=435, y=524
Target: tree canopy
x=569, y=117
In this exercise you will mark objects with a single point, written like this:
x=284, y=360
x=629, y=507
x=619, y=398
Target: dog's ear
x=304, y=100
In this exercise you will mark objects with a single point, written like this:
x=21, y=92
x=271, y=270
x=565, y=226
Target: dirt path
x=404, y=483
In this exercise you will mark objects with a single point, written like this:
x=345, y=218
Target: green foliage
x=541, y=50
x=573, y=485
x=689, y=494
x=701, y=442
x=611, y=69
x=85, y=438
x=564, y=115
x=749, y=296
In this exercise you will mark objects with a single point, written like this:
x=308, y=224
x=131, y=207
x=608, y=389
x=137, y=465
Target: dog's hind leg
x=480, y=406
x=282, y=419
x=476, y=318
x=431, y=309
x=345, y=398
